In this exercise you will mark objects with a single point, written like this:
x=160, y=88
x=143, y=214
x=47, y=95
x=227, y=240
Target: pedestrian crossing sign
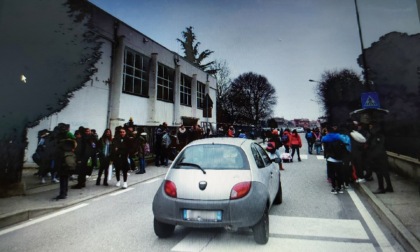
x=370, y=100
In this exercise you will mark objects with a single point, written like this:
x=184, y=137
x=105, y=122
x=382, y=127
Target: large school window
x=136, y=73
x=201, y=89
x=165, y=83
x=185, y=90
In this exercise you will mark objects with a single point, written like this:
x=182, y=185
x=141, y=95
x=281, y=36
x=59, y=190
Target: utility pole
x=365, y=66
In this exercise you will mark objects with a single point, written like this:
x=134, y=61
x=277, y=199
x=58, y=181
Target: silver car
x=219, y=182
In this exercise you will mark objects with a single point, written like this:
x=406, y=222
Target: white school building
x=137, y=78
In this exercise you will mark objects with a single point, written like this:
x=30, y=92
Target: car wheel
x=163, y=230
x=261, y=229
x=279, y=196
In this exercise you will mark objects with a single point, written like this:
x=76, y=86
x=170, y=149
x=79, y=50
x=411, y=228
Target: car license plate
x=202, y=215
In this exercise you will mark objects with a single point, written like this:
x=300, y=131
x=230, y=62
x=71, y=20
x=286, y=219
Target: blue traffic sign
x=370, y=100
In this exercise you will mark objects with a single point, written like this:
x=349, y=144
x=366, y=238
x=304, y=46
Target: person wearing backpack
x=335, y=151
x=166, y=143
x=143, y=151
x=285, y=140
x=157, y=147
x=65, y=159
x=317, y=141
x=273, y=146
x=310, y=138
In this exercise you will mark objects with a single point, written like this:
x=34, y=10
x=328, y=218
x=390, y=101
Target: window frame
x=136, y=72
x=201, y=92
x=263, y=154
x=165, y=83
x=185, y=90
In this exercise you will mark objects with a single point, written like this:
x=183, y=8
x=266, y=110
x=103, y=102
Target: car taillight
x=170, y=188
x=240, y=190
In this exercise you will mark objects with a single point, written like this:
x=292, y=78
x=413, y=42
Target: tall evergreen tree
x=190, y=47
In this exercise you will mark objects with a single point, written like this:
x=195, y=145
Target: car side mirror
x=276, y=160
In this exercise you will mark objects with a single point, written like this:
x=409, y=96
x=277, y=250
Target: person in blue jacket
x=336, y=147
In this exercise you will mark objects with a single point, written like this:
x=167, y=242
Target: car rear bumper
x=244, y=212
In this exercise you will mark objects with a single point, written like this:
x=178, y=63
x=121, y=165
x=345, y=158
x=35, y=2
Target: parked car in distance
x=299, y=129
x=219, y=182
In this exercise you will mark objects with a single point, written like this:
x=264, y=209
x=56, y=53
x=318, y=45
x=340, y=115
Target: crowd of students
x=354, y=151
x=90, y=151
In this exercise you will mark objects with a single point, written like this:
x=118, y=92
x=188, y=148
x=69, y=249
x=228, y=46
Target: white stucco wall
x=90, y=106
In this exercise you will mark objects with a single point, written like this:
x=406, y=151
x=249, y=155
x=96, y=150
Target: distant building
x=138, y=78
x=303, y=122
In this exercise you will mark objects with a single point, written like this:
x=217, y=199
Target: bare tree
x=190, y=47
x=252, y=97
x=221, y=72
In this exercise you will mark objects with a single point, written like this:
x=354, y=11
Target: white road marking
x=303, y=156
x=238, y=243
x=374, y=228
x=318, y=227
x=46, y=217
x=122, y=191
x=320, y=157
x=317, y=235
x=194, y=242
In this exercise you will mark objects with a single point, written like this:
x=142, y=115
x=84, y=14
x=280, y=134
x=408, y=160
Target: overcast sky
x=287, y=41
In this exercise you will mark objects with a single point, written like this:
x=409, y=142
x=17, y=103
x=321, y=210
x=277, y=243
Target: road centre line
x=46, y=217
x=374, y=228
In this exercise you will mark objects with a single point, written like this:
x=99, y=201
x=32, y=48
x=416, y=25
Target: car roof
x=222, y=140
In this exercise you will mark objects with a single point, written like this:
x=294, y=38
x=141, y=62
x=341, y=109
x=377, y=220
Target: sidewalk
x=400, y=210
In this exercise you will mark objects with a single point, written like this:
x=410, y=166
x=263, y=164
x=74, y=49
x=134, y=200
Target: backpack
x=309, y=135
x=271, y=147
x=336, y=150
x=70, y=161
x=146, y=149
x=166, y=140
x=285, y=138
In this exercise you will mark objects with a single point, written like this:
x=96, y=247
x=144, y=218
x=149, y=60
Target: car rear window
x=213, y=156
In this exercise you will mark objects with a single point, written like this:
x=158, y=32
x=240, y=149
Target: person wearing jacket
x=104, y=147
x=336, y=147
x=277, y=143
x=87, y=150
x=295, y=144
x=309, y=135
x=120, y=148
x=377, y=158
x=285, y=139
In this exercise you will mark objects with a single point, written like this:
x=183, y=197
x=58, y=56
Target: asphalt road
x=310, y=219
